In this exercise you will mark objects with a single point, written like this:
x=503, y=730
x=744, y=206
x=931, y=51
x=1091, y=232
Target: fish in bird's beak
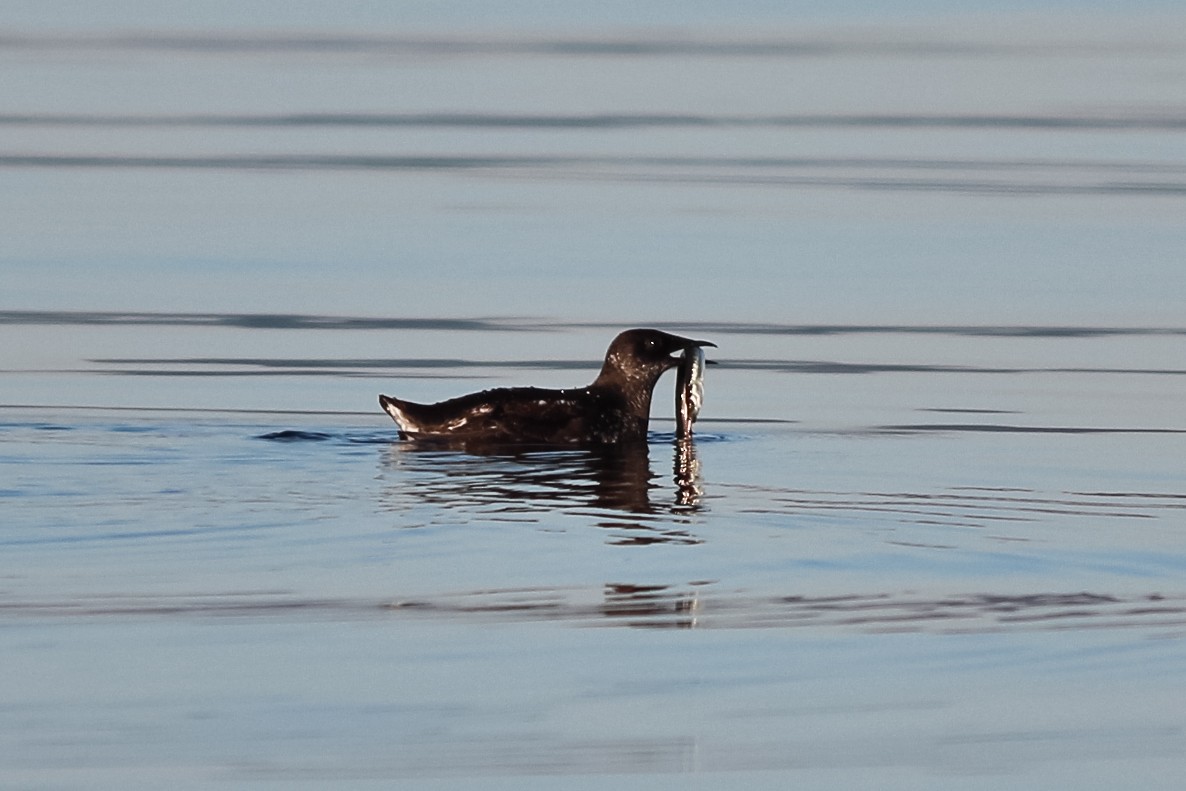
x=689, y=387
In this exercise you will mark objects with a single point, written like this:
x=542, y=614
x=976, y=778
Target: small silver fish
x=689, y=391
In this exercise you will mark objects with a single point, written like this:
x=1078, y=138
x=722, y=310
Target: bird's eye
x=651, y=344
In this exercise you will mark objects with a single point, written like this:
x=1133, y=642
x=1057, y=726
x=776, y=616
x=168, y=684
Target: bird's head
x=637, y=358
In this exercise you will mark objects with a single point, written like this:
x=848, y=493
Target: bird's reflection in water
x=527, y=482
x=653, y=606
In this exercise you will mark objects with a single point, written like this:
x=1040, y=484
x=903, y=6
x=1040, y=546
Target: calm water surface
x=930, y=532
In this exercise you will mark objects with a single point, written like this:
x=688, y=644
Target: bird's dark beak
x=688, y=343
x=683, y=344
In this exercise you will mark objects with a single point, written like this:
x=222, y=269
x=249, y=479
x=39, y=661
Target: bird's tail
x=399, y=413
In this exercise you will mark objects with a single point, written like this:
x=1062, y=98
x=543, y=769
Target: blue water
x=930, y=531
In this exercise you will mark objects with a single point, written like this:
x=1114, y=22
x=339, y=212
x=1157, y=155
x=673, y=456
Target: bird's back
x=517, y=414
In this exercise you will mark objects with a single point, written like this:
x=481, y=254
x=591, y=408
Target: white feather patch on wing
x=405, y=423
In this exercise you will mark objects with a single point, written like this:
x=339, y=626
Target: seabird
x=615, y=408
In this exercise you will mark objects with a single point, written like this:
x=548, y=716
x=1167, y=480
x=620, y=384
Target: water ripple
x=636, y=605
x=974, y=507
x=306, y=321
x=656, y=45
x=1055, y=177
x=610, y=121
